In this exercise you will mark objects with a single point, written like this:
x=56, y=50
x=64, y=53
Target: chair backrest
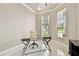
x=32, y=35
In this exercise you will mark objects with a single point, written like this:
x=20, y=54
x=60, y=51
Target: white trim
x=51, y=9
x=6, y=51
x=43, y=11
x=29, y=8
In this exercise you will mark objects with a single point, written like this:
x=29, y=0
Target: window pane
x=61, y=23
x=44, y=25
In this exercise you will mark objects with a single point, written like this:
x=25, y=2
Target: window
x=61, y=23
x=45, y=26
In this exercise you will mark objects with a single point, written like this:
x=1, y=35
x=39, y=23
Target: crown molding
x=43, y=11
x=51, y=9
x=29, y=8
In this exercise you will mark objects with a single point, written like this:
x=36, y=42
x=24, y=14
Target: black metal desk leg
x=25, y=47
x=46, y=40
x=47, y=45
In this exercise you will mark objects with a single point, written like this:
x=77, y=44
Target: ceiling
x=40, y=7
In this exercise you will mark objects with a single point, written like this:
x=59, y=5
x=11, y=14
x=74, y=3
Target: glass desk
x=39, y=40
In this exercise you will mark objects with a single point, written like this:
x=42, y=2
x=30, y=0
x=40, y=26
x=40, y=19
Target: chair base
x=33, y=45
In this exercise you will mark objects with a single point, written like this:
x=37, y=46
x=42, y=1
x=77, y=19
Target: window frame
x=42, y=18
x=64, y=12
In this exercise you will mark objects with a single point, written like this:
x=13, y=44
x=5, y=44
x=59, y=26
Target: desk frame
x=26, y=42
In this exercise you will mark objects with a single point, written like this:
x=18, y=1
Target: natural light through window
x=44, y=25
x=61, y=23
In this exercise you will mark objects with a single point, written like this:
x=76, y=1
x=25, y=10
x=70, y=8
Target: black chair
x=33, y=45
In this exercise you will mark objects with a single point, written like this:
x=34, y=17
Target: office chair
x=33, y=38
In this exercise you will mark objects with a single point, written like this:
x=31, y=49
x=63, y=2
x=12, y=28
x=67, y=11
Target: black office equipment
x=74, y=47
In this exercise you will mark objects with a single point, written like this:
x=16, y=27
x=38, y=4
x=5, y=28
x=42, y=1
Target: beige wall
x=38, y=24
x=15, y=23
x=78, y=21
x=72, y=26
x=71, y=21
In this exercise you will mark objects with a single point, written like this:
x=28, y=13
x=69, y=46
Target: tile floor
x=40, y=51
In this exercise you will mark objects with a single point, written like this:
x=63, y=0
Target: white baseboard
x=6, y=51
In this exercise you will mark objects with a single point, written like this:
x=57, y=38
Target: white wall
x=15, y=23
x=72, y=26
x=71, y=21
